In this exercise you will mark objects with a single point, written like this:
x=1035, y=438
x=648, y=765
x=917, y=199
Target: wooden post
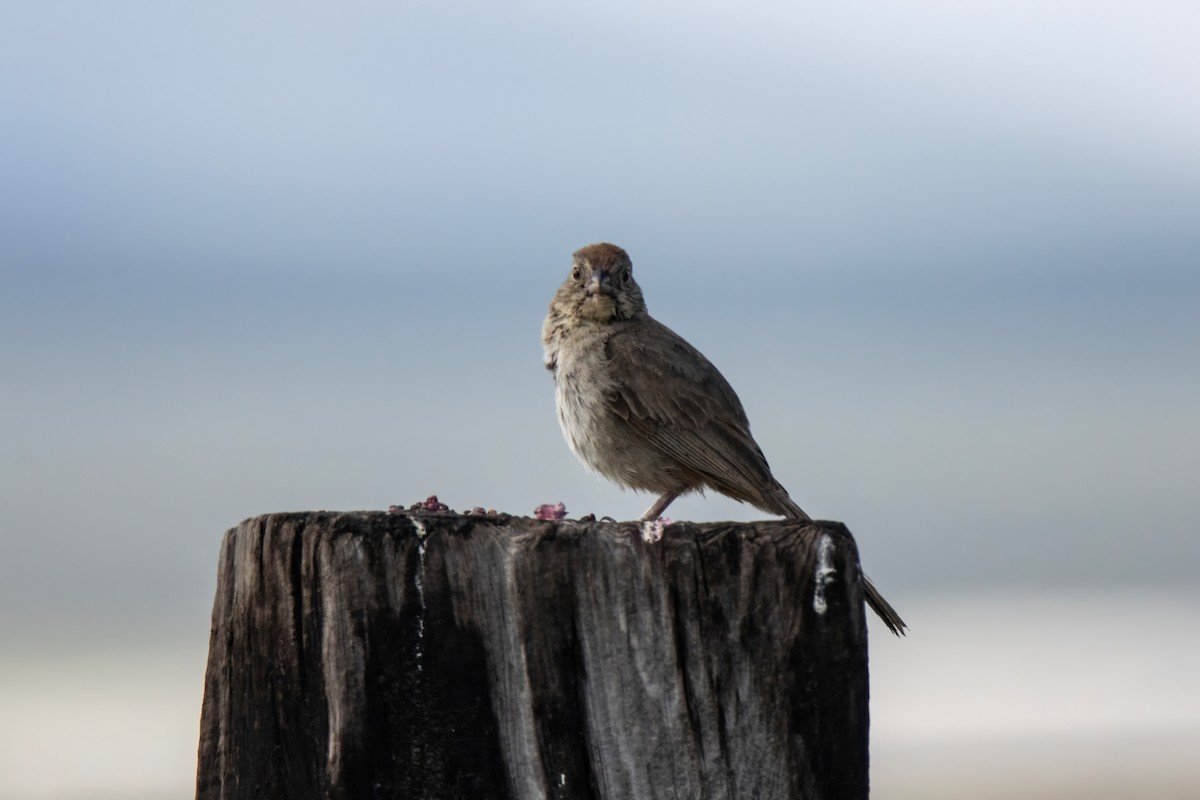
x=432, y=655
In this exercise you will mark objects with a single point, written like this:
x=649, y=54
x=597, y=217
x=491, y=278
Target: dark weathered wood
x=365, y=655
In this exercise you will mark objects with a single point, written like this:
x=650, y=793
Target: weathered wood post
x=432, y=655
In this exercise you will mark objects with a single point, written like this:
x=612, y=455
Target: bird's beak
x=600, y=283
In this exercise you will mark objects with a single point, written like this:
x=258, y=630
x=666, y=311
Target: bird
x=642, y=407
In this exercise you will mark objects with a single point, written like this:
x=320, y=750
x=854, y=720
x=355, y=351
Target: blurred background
x=266, y=257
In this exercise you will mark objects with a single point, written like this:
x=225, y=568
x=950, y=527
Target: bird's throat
x=598, y=308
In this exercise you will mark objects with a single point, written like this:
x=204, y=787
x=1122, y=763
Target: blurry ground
x=1072, y=696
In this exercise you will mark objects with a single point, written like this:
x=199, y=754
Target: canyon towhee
x=644, y=408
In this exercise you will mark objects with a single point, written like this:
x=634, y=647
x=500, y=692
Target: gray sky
x=270, y=259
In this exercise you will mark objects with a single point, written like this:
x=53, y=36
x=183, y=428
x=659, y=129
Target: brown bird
x=644, y=408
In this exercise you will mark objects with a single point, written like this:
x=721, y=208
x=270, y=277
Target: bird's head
x=600, y=286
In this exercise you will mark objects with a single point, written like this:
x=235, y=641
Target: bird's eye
x=576, y=273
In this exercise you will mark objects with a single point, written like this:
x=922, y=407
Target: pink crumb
x=430, y=503
x=550, y=511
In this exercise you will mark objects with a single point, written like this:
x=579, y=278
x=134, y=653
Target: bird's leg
x=660, y=505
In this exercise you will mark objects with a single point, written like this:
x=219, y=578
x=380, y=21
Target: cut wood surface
x=433, y=655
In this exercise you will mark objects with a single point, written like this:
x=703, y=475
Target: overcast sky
x=273, y=258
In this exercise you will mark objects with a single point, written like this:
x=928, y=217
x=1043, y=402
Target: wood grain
x=431, y=655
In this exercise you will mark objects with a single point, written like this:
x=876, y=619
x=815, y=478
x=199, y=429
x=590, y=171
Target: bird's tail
x=874, y=599
x=883, y=608
x=790, y=509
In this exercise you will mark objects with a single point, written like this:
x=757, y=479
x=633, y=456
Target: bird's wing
x=668, y=392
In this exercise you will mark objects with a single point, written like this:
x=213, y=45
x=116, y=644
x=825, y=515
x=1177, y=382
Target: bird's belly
x=603, y=441
x=581, y=414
